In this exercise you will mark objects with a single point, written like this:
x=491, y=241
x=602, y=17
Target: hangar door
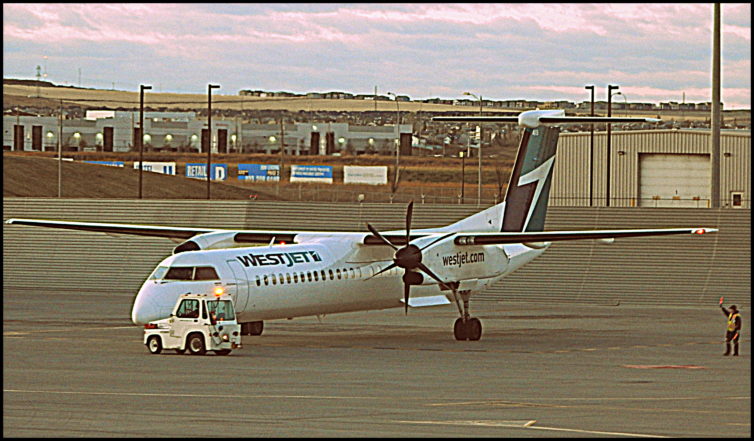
x=674, y=180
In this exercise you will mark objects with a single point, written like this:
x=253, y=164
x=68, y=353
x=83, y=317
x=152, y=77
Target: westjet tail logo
x=287, y=259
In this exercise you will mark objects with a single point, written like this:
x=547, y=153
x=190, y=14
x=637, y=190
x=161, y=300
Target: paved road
x=74, y=366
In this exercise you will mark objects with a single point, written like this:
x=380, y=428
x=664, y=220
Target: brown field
x=434, y=180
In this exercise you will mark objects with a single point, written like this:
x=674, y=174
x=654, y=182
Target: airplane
x=275, y=274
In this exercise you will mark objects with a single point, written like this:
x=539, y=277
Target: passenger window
x=180, y=273
x=282, y=280
x=274, y=279
x=308, y=276
x=332, y=277
x=266, y=280
x=324, y=275
x=188, y=308
x=316, y=276
x=337, y=271
x=205, y=273
x=259, y=282
x=287, y=277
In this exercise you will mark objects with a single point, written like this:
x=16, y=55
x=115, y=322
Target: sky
x=534, y=51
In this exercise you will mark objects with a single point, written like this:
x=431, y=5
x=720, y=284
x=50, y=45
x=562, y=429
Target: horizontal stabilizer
x=536, y=118
x=554, y=236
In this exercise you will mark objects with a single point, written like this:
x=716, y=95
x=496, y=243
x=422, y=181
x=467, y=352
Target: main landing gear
x=252, y=328
x=466, y=327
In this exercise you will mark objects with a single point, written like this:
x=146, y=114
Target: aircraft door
x=241, y=294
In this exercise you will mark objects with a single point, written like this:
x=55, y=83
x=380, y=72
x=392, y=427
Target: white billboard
x=166, y=168
x=359, y=174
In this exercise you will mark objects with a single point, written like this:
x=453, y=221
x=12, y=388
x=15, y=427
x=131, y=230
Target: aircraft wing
x=240, y=236
x=140, y=230
x=553, y=236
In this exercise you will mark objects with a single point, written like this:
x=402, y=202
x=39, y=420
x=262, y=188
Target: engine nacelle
x=208, y=241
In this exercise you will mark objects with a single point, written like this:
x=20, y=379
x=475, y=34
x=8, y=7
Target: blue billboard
x=199, y=171
x=110, y=163
x=259, y=172
x=311, y=173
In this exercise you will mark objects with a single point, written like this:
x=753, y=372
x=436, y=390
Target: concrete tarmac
x=74, y=366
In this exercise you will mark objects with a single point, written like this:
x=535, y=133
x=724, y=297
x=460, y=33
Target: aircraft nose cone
x=144, y=310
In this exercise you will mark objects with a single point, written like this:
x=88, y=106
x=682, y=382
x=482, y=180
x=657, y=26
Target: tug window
x=189, y=308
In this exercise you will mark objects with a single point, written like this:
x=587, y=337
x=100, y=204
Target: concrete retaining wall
x=677, y=270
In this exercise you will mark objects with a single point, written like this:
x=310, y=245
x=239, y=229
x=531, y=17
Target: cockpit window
x=158, y=273
x=180, y=273
x=205, y=273
x=184, y=273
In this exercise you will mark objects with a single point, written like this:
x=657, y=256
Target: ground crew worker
x=733, y=331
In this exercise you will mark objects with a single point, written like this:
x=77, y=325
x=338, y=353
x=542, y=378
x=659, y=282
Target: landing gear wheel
x=195, y=344
x=252, y=328
x=473, y=329
x=459, y=330
x=154, y=344
x=469, y=330
x=222, y=351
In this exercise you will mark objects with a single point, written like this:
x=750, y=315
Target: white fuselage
x=323, y=276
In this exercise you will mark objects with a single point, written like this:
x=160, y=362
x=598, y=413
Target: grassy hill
x=81, y=180
x=35, y=174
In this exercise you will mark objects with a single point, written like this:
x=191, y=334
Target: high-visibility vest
x=732, y=321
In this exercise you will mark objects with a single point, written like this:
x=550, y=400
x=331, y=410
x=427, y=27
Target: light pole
x=591, y=147
x=610, y=88
x=142, y=88
x=478, y=152
x=60, y=152
x=397, y=140
x=463, y=174
x=209, y=134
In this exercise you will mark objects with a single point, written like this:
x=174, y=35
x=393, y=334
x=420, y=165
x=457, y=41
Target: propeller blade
x=387, y=268
x=409, y=215
x=380, y=236
x=424, y=268
x=406, y=289
x=435, y=241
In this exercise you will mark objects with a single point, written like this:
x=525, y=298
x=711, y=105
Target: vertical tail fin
x=529, y=187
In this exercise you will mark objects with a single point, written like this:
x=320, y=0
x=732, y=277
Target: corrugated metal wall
x=670, y=270
x=572, y=189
